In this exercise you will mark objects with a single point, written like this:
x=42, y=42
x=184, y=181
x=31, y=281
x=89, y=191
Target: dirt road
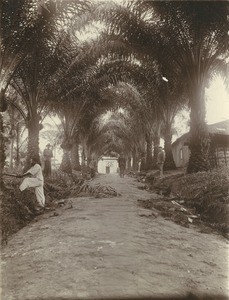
x=111, y=248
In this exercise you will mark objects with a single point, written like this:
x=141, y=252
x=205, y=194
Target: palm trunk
x=156, y=144
x=149, y=151
x=3, y=103
x=17, y=145
x=33, y=139
x=75, y=157
x=83, y=156
x=135, y=162
x=169, y=161
x=65, y=165
x=2, y=152
x=199, y=136
x=11, y=153
x=128, y=165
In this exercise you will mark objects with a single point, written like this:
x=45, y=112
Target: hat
x=48, y=145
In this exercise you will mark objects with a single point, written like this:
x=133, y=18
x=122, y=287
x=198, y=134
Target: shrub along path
x=111, y=247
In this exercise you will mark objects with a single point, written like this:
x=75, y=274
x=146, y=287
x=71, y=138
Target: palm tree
x=110, y=135
x=2, y=152
x=75, y=159
x=70, y=115
x=193, y=36
x=32, y=82
x=118, y=128
x=198, y=32
x=88, y=76
x=22, y=24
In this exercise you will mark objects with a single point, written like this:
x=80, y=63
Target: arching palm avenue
x=139, y=46
x=117, y=91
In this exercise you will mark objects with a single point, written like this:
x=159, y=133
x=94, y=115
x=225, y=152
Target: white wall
x=107, y=162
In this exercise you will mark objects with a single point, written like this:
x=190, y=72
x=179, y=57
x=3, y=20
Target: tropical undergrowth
x=201, y=198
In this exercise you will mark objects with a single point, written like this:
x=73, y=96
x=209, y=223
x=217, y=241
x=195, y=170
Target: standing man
x=47, y=155
x=34, y=178
x=121, y=165
x=160, y=160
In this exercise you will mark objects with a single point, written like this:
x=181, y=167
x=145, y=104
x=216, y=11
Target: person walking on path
x=160, y=160
x=121, y=165
x=34, y=178
x=47, y=155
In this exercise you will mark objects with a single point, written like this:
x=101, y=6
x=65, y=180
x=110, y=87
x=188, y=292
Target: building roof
x=183, y=137
x=220, y=128
x=108, y=158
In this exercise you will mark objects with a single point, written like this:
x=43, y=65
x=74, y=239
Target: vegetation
x=146, y=62
x=200, y=199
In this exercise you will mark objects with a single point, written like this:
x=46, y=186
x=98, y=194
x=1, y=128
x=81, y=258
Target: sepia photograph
x=114, y=149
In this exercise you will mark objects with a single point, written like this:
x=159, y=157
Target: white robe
x=37, y=182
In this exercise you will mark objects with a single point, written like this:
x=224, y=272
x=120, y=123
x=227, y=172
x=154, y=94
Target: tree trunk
x=169, y=161
x=128, y=164
x=65, y=165
x=199, y=136
x=156, y=144
x=135, y=162
x=3, y=103
x=11, y=164
x=17, y=161
x=75, y=157
x=33, y=139
x=149, y=151
x=12, y=136
x=2, y=153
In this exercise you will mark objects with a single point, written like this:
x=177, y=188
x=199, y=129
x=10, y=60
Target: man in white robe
x=34, y=178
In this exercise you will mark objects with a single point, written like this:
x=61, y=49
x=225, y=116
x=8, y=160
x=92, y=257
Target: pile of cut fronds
x=97, y=190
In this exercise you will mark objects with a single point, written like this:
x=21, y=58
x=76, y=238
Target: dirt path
x=105, y=247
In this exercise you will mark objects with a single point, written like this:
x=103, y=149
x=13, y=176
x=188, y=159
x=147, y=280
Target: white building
x=108, y=165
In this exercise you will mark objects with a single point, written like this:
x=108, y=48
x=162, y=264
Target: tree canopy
x=147, y=61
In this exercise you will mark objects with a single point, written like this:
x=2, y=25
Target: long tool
x=12, y=175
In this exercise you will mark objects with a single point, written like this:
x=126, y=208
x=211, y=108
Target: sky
x=217, y=102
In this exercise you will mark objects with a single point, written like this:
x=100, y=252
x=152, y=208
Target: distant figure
x=121, y=165
x=34, y=179
x=47, y=155
x=160, y=160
